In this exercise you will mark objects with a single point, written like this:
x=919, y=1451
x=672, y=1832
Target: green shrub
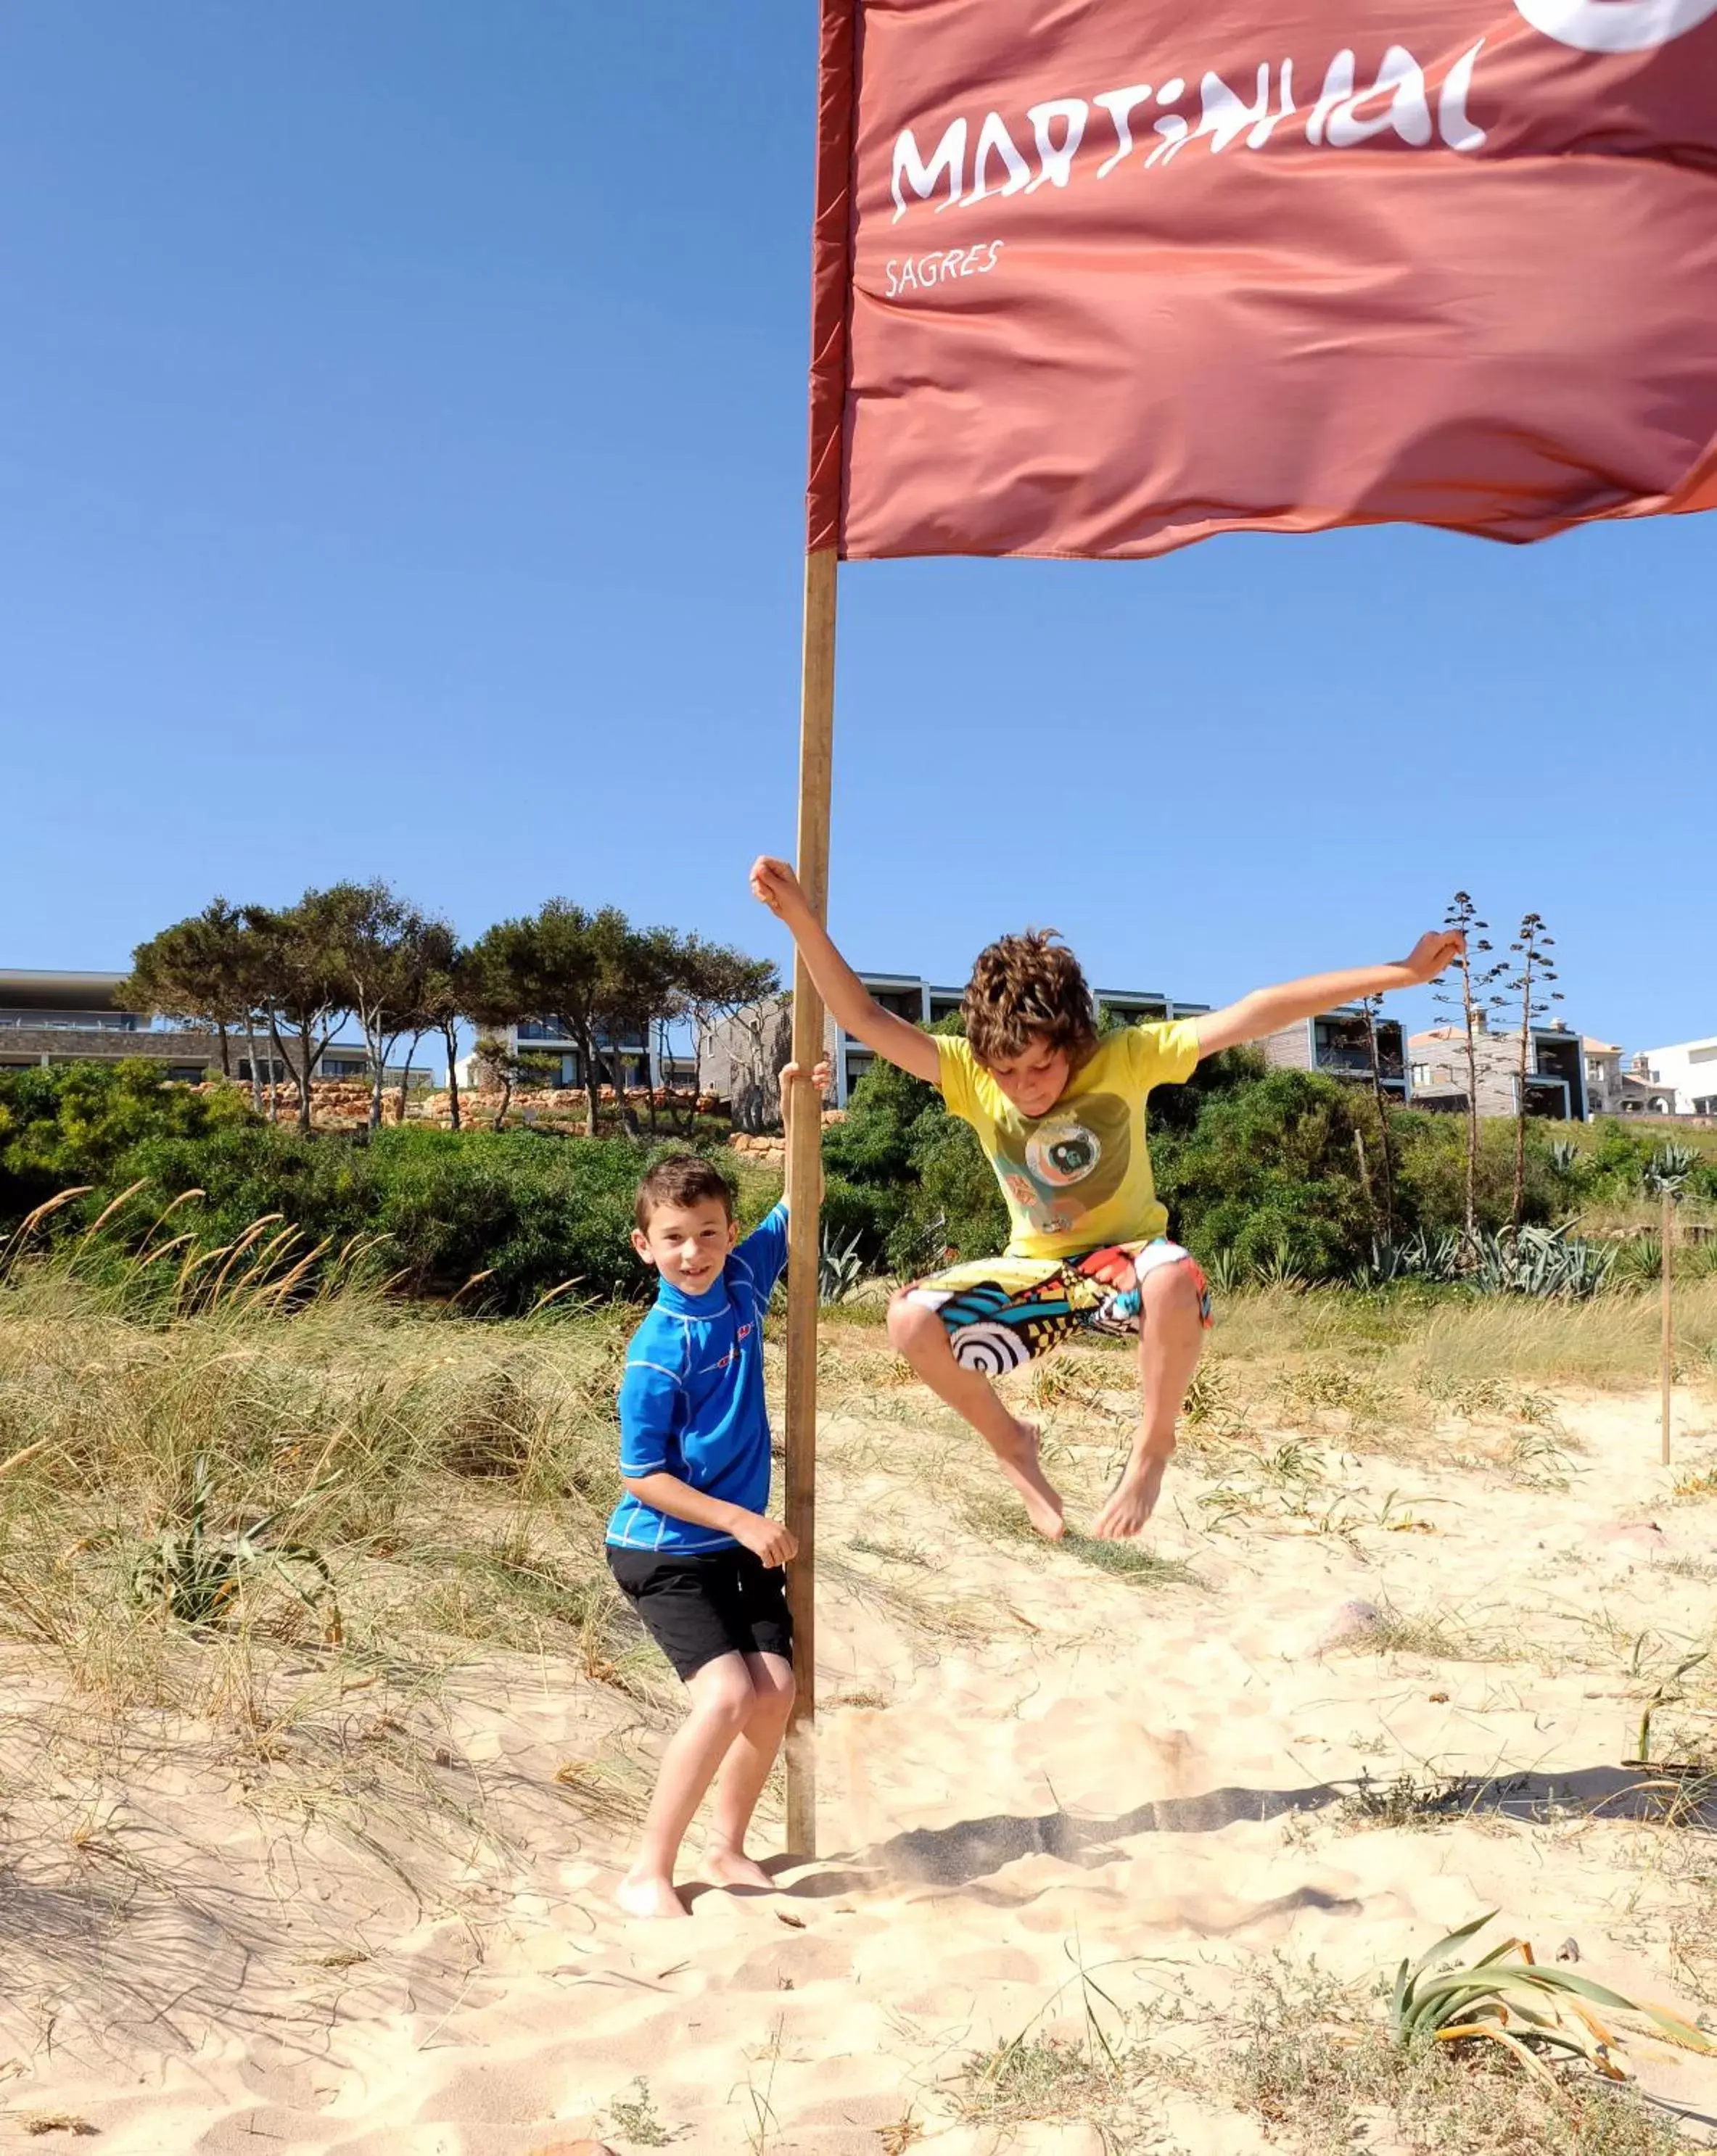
x=73, y=1124
x=1270, y=1173
x=1175, y=1109
x=955, y=1204
x=530, y=1212
x=1611, y=1162
x=1259, y=1169
x=853, y=1209
x=1431, y=1173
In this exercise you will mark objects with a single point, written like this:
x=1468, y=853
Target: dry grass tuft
x=1037, y=2077
x=1450, y=1342
x=1414, y=1802
x=1136, y=1561
x=1310, y=2056
x=1435, y=1635
x=1307, y=1395
x=452, y=1478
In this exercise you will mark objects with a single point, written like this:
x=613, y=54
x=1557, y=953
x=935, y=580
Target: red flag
x=1099, y=278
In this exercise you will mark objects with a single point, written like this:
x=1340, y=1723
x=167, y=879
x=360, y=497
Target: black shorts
x=697, y=1606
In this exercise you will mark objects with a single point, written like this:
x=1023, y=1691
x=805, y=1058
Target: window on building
x=905, y=1003
x=1706, y=1106
x=1703, y=1055
x=1546, y=1096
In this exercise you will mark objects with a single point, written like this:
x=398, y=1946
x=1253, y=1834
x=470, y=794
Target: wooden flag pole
x=816, y=742
x=1668, y=1345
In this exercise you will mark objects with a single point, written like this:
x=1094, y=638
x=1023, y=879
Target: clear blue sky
x=401, y=468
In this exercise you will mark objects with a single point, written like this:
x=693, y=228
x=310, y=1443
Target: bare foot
x=1135, y=1500
x=732, y=1867
x=1043, y=1503
x=640, y=1895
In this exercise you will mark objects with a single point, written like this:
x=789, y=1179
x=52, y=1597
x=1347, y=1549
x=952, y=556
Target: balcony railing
x=1358, y=1061
x=70, y=1022
x=541, y=1033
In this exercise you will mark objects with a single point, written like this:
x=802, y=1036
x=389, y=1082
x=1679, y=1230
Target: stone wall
x=772, y=1148
x=344, y=1104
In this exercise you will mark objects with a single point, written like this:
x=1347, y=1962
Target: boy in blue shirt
x=690, y=1544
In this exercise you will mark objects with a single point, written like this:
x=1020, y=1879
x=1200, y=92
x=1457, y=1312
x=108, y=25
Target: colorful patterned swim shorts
x=1002, y=1313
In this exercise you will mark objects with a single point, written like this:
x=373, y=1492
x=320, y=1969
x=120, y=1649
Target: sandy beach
x=1369, y=1686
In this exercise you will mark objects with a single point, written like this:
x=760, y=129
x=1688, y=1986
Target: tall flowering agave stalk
x=1507, y=1997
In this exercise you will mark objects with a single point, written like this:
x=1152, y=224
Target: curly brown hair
x=1028, y=988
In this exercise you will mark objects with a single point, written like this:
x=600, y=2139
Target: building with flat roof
x=1555, y=1079
x=1338, y=1042
x=1617, y=1087
x=560, y=1064
x=62, y=1016
x=1688, y=1070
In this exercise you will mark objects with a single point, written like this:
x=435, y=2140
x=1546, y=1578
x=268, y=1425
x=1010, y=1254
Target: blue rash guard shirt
x=692, y=1400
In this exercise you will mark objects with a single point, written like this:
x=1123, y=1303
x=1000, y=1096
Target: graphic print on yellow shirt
x=1079, y=1176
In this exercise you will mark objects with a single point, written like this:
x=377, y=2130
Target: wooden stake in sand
x=1669, y=1350
x=816, y=739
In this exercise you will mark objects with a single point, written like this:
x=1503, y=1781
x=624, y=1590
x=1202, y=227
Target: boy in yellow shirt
x=1060, y=1116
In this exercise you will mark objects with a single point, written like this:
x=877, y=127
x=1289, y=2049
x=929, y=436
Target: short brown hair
x=683, y=1178
x=1028, y=988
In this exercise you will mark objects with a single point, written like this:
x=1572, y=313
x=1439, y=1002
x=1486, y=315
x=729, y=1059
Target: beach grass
x=453, y=1476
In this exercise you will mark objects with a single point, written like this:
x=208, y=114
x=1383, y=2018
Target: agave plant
x=1565, y=1156
x=1639, y=1259
x=1387, y=1263
x=195, y=1574
x=1226, y=1271
x=1278, y=1267
x=840, y=1267
x=1669, y=1169
x=1507, y=1997
x=1422, y=1255
x=1542, y=1262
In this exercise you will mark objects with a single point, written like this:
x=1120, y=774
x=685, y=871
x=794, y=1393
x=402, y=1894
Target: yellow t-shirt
x=1079, y=1178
